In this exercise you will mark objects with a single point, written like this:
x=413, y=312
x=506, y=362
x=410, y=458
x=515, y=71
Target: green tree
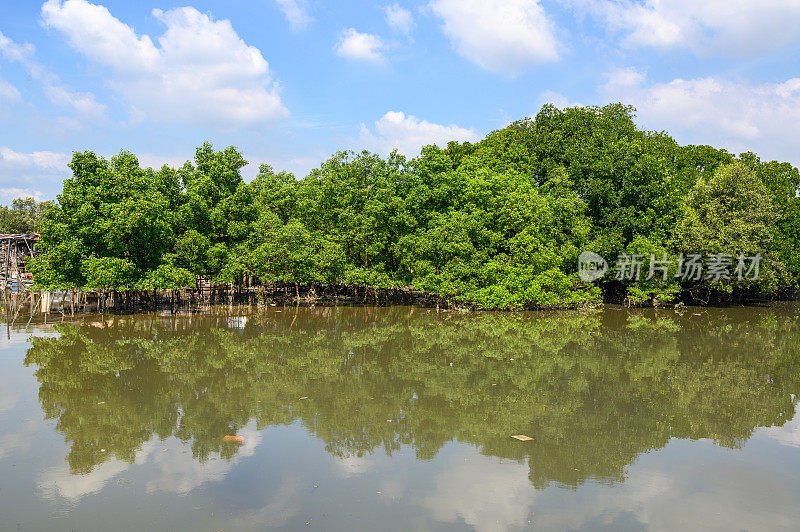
x=731, y=212
x=109, y=209
x=23, y=216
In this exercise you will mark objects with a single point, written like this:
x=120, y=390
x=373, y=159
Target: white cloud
x=709, y=27
x=736, y=115
x=505, y=36
x=36, y=174
x=10, y=194
x=156, y=161
x=201, y=71
x=21, y=53
x=408, y=134
x=557, y=99
x=296, y=13
x=363, y=46
x=83, y=102
x=399, y=19
x=40, y=159
x=8, y=93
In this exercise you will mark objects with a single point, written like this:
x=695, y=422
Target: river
x=401, y=418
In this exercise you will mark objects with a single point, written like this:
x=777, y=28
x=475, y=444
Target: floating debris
x=237, y=439
x=522, y=437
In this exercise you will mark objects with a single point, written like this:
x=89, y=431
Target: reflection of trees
x=593, y=390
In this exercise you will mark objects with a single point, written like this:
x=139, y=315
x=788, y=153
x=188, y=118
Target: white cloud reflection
x=174, y=469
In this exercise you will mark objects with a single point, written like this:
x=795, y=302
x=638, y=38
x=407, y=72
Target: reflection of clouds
x=21, y=334
x=13, y=442
x=19, y=440
x=7, y=401
x=281, y=507
x=351, y=466
x=179, y=472
x=707, y=493
x=481, y=491
x=788, y=434
x=9, y=443
x=172, y=469
x=15, y=337
x=60, y=481
x=709, y=488
x=722, y=495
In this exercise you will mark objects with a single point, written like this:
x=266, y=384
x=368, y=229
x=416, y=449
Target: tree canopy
x=498, y=223
x=24, y=215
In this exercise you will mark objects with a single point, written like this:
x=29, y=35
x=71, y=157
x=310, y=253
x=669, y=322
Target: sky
x=290, y=82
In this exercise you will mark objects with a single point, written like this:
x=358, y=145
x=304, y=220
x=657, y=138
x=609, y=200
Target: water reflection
x=594, y=390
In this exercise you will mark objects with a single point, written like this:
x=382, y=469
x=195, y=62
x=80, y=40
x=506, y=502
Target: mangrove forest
x=499, y=223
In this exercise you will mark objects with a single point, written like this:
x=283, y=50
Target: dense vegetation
x=25, y=215
x=499, y=223
x=594, y=389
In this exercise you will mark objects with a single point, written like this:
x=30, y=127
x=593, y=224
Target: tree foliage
x=24, y=215
x=498, y=223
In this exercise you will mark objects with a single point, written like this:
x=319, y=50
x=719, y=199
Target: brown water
x=401, y=419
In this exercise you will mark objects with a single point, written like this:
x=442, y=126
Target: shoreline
x=29, y=303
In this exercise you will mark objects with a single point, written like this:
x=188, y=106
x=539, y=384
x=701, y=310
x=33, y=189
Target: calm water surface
x=401, y=419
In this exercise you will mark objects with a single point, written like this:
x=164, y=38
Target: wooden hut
x=15, y=250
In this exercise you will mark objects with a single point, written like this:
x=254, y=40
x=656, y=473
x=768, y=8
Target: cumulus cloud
x=708, y=27
x=200, y=72
x=296, y=13
x=83, y=102
x=363, y=46
x=737, y=115
x=399, y=19
x=506, y=36
x=408, y=134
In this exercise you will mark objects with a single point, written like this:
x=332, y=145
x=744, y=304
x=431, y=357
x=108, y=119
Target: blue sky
x=291, y=81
